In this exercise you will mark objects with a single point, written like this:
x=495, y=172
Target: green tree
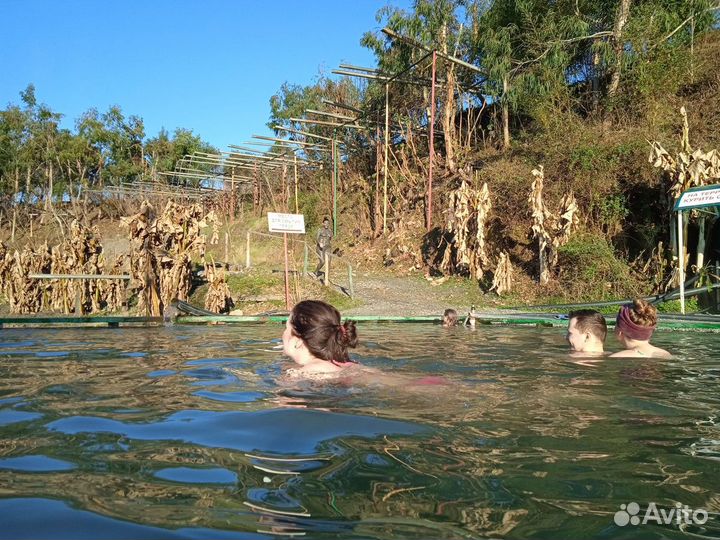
x=439, y=25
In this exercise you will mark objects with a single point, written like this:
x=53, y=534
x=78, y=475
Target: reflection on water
x=188, y=432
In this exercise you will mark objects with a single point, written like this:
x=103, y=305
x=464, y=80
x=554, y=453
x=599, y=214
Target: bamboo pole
x=385, y=164
x=332, y=182
x=326, y=277
x=448, y=57
x=332, y=115
x=381, y=78
x=80, y=276
x=335, y=183
x=316, y=147
x=232, y=194
x=287, y=277
x=297, y=211
x=376, y=202
x=247, y=250
x=681, y=260
x=342, y=105
x=299, y=132
x=350, y=281
x=323, y=123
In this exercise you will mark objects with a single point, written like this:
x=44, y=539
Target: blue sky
x=210, y=66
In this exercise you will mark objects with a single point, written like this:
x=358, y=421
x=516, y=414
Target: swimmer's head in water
x=587, y=330
x=450, y=317
x=319, y=327
x=636, y=321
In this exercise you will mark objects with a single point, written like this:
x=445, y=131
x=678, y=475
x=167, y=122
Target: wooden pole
x=376, y=202
x=287, y=274
x=335, y=183
x=681, y=260
x=326, y=276
x=350, y=281
x=332, y=180
x=385, y=164
x=247, y=250
x=432, y=143
x=297, y=211
x=285, y=188
x=232, y=192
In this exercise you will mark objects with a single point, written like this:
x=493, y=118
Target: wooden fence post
x=247, y=251
x=326, y=278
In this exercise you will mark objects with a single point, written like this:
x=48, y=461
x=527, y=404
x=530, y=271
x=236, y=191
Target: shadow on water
x=190, y=432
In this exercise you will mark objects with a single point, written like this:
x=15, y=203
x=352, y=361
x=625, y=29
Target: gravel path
x=397, y=296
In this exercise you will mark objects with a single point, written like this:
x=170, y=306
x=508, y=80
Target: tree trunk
x=15, y=203
x=48, y=199
x=28, y=175
x=621, y=19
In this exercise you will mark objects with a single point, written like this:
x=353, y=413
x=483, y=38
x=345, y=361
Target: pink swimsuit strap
x=342, y=364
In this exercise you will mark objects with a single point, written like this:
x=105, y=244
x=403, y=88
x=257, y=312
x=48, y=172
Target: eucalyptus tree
x=530, y=50
x=158, y=154
x=125, y=138
x=91, y=129
x=289, y=104
x=13, y=157
x=13, y=136
x=658, y=43
x=76, y=158
x=162, y=154
x=440, y=25
x=40, y=148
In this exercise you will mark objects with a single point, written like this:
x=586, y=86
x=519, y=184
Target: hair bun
x=644, y=313
x=348, y=334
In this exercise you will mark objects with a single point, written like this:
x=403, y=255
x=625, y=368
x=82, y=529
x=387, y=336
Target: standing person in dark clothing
x=322, y=244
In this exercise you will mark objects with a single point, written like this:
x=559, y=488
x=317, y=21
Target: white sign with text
x=699, y=197
x=286, y=223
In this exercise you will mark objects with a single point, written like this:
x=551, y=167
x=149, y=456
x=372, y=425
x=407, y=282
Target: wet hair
x=450, y=317
x=643, y=313
x=318, y=324
x=589, y=320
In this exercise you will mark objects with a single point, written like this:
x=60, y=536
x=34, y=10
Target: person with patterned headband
x=634, y=327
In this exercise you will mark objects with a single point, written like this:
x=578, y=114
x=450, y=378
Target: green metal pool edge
x=65, y=320
x=668, y=322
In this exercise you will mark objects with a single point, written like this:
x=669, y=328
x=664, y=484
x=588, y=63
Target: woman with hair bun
x=634, y=326
x=317, y=340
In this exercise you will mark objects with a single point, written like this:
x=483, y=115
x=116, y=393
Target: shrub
x=592, y=271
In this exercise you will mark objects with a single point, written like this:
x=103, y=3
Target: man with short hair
x=322, y=245
x=586, y=332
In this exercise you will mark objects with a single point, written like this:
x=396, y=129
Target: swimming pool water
x=191, y=432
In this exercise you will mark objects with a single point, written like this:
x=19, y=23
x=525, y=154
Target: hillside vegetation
x=543, y=189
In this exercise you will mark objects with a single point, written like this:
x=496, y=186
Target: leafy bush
x=592, y=271
x=309, y=204
x=673, y=306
